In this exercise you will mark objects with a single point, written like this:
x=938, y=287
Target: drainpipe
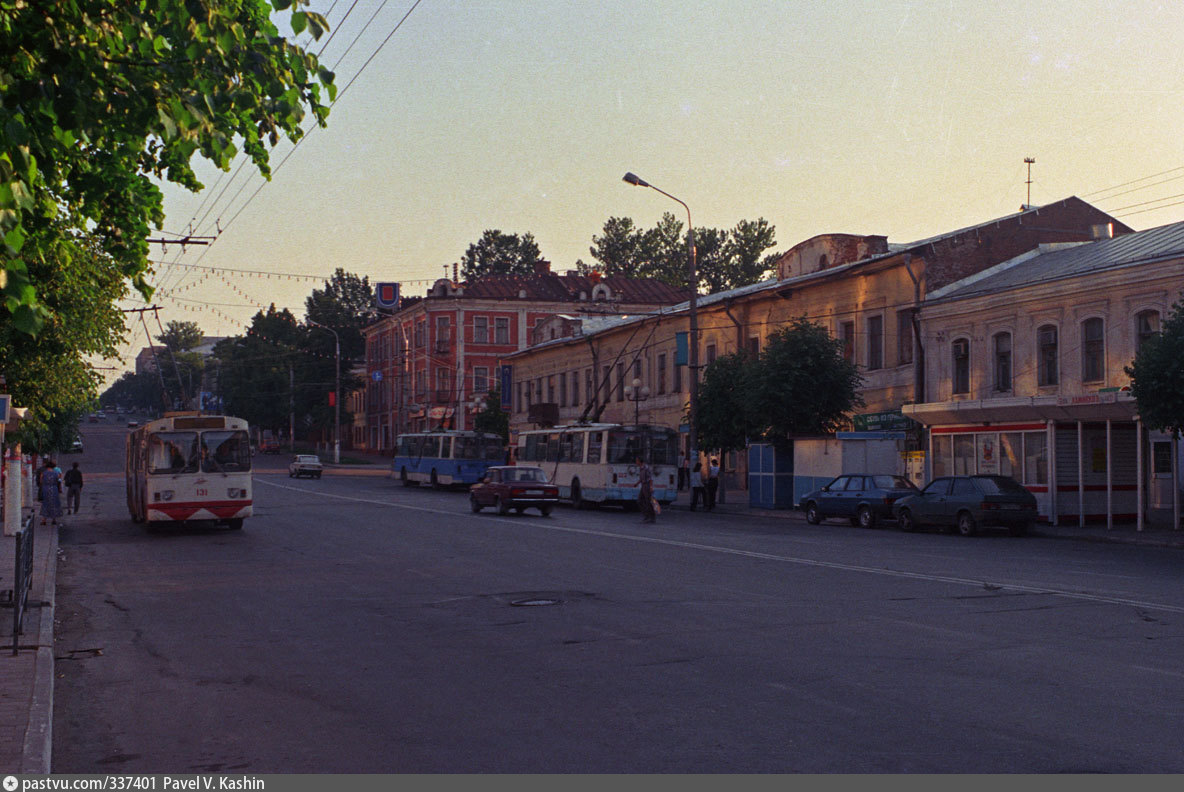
x=739, y=326
x=918, y=348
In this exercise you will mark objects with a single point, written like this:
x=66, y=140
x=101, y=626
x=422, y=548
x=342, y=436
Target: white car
x=305, y=465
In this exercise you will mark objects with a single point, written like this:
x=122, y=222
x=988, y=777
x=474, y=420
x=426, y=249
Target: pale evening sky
x=906, y=119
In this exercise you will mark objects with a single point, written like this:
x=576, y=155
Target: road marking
x=810, y=562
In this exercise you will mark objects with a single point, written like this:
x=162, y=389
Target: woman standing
x=51, y=493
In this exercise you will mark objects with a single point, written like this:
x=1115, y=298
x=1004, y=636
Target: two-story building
x=432, y=362
x=1026, y=377
x=863, y=289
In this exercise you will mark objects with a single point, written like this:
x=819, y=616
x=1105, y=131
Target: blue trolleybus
x=445, y=458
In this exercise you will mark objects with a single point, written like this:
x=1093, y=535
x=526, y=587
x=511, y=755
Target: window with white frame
x=1146, y=326
x=1002, y=345
x=847, y=336
x=960, y=353
x=1047, y=355
x=481, y=330
x=875, y=342
x=1093, y=350
x=575, y=389
x=661, y=374
x=501, y=330
x=480, y=379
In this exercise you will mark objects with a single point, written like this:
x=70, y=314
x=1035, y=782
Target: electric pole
x=1029, y=161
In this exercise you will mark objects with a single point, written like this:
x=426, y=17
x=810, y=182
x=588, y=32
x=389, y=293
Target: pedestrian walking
x=50, y=487
x=712, y=483
x=697, y=490
x=683, y=472
x=645, y=492
x=73, y=489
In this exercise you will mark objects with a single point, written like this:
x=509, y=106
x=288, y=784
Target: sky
x=906, y=119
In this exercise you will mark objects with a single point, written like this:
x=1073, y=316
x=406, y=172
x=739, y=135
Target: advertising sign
x=386, y=295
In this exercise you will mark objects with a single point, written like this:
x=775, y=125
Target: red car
x=517, y=487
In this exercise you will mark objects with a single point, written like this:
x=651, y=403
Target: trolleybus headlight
x=236, y=492
x=167, y=494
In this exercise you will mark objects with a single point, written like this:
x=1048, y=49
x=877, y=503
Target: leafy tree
x=724, y=259
x=492, y=418
x=801, y=384
x=725, y=420
x=500, y=254
x=102, y=97
x=253, y=374
x=1157, y=375
x=347, y=305
x=181, y=336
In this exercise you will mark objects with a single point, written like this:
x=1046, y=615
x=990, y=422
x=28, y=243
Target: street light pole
x=637, y=393
x=336, y=391
x=693, y=274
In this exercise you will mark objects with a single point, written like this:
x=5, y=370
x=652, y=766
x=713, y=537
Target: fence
x=23, y=581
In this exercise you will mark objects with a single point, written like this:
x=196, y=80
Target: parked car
x=517, y=487
x=76, y=446
x=968, y=503
x=92, y=418
x=861, y=498
x=132, y=424
x=305, y=465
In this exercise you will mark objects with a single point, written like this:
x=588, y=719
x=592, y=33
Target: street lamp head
x=636, y=383
x=635, y=180
x=628, y=391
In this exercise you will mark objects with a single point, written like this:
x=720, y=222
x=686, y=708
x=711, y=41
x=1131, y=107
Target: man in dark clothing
x=73, y=489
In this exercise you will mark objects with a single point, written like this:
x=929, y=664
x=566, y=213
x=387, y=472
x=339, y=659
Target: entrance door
x=1161, y=474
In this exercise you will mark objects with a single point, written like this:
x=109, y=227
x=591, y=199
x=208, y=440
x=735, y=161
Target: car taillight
x=988, y=506
x=516, y=492
x=888, y=500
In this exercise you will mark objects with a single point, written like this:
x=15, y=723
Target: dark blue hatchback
x=861, y=498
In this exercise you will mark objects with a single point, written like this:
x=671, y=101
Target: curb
x=37, y=752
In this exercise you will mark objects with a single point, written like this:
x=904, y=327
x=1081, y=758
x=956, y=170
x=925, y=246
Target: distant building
x=428, y=363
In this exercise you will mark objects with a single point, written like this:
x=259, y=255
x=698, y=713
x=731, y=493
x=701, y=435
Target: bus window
x=595, y=443
x=533, y=451
x=446, y=447
x=225, y=452
x=623, y=447
x=577, y=446
x=464, y=447
x=172, y=452
x=553, y=448
x=492, y=448
x=663, y=448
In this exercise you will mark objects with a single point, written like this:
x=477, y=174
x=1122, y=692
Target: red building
x=430, y=362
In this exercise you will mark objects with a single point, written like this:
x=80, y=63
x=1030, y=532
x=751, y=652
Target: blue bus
x=445, y=458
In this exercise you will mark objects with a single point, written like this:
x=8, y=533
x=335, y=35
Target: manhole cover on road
x=535, y=601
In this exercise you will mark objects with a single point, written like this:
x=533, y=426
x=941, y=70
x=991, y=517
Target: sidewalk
x=26, y=679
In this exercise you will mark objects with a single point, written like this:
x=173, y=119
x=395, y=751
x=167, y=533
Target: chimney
x=542, y=267
x=1101, y=231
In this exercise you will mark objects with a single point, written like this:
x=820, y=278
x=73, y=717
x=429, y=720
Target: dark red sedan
x=517, y=487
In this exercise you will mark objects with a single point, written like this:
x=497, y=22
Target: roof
x=1055, y=262
x=567, y=288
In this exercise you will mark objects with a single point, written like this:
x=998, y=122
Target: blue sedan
x=862, y=499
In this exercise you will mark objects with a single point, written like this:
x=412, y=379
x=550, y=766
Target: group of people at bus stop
x=700, y=489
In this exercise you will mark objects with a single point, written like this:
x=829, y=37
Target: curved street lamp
x=336, y=391
x=637, y=393
x=692, y=273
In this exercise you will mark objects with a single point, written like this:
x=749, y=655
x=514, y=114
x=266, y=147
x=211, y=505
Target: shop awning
x=1103, y=406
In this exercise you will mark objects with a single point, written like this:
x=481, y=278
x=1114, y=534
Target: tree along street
x=358, y=626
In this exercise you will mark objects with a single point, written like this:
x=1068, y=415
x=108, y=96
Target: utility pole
x=291, y=408
x=1029, y=161
x=336, y=391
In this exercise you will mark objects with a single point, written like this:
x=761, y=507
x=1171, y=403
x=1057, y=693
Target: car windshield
x=306, y=458
x=999, y=485
x=525, y=474
x=892, y=482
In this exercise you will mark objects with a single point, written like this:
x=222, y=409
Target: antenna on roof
x=1029, y=161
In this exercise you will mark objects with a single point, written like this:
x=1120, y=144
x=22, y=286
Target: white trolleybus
x=596, y=463
x=188, y=466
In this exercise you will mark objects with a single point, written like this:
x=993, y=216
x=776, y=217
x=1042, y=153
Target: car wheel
x=473, y=504
x=520, y=509
x=291, y=474
x=502, y=507
x=318, y=475
x=866, y=518
x=435, y=481
x=812, y=514
x=905, y=521
x=403, y=477
x=966, y=525
x=236, y=524
x=546, y=510
x=577, y=496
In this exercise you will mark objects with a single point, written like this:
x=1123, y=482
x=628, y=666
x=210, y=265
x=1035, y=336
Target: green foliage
x=500, y=254
x=725, y=418
x=1157, y=375
x=803, y=385
x=799, y=385
x=102, y=97
x=181, y=336
x=724, y=259
x=347, y=305
x=492, y=418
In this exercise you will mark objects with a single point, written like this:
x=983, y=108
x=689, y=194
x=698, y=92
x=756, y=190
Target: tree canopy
x=497, y=253
x=725, y=259
x=800, y=384
x=101, y=98
x=1157, y=375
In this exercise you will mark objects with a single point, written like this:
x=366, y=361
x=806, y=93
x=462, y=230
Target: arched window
x=1093, y=350
x=1002, y=345
x=1146, y=325
x=1047, y=355
x=961, y=359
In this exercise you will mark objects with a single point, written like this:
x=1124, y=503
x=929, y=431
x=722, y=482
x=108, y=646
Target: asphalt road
x=357, y=626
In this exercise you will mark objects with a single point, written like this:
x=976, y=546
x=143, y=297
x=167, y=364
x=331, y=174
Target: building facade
x=1026, y=376
x=433, y=362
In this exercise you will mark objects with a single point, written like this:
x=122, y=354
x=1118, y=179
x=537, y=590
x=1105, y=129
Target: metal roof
x=567, y=288
x=1055, y=262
